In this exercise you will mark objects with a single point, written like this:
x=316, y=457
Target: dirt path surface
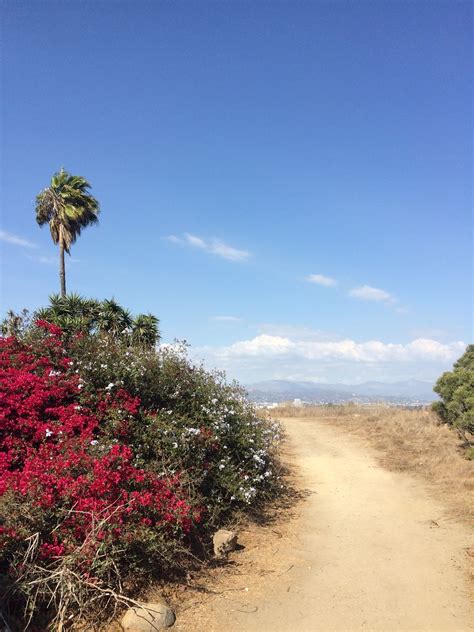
x=369, y=550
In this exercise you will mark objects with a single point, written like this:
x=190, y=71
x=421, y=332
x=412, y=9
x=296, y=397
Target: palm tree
x=68, y=207
x=71, y=312
x=113, y=319
x=145, y=330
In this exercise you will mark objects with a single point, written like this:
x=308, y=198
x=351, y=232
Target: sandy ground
x=367, y=549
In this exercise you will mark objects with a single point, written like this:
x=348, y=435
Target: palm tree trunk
x=62, y=269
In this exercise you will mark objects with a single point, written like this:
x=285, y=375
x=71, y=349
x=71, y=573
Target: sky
x=286, y=185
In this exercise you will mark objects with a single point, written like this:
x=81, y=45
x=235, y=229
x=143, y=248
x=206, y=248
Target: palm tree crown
x=68, y=207
x=145, y=330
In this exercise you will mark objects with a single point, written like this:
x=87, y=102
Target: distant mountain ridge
x=283, y=390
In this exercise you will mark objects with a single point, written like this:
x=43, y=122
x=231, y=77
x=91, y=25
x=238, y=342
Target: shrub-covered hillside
x=117, y=461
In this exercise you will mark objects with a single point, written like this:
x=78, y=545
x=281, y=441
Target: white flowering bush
x=196, y=424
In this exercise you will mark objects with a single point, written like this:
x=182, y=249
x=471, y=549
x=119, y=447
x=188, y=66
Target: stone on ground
x=224, y=542
x=151, y=617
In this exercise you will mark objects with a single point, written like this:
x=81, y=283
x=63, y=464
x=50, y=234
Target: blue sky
x=288, y=186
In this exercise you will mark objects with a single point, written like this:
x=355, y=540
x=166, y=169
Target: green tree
x=145, y=330
x=114, y=319
x=68, y=207
x=456, y=390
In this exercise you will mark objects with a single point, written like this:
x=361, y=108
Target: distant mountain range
x=408, y=391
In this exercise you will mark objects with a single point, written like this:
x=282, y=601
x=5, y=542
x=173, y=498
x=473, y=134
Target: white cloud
x=212, y=246
x=268, y=356
x=422, y=349
x=227, y=319
x=174, y=240
x=368, y=293
x=9, y=238
x=320, y=279
x=299, y=332
x=51, y=261
x=260, y=345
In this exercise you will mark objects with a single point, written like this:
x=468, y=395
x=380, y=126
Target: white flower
x=94, y=442
x=175, y=445
x=109, y=386
x=48, y=432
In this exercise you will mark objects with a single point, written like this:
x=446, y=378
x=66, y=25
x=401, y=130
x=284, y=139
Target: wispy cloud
x=212, y=246
x=297, y=332
x=227, y=319
x=321, y=279
x=175, y=240
x=49, y=260
x=9, y=238
x=369, y=293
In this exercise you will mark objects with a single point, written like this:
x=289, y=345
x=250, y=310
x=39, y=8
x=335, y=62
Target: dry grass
x=407, y=440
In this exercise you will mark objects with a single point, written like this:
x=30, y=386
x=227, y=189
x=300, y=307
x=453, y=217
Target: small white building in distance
x=297, y=402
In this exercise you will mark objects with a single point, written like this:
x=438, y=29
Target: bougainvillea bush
x=115, y=463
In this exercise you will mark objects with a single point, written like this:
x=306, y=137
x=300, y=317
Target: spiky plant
x=68, y=207
x=72, y=312
x=145, y=330
x=113, y=319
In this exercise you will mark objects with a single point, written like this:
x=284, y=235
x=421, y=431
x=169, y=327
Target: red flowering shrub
x=114, y=459
x=62, y=471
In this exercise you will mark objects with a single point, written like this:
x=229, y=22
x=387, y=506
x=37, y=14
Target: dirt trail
x=370, y=550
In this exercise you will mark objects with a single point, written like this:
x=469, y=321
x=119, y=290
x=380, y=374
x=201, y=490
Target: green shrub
x=117, y=461
x=456, y=390
x=74, y=313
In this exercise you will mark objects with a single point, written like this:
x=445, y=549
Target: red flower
x=56, y=455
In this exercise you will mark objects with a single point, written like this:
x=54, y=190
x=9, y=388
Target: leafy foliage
x=115, y=459
x=456, y=389
x=74, y=313
x=67, y=206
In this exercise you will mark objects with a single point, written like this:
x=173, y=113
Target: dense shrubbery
x=456, y=389
x=115, y=461
x=74, y=314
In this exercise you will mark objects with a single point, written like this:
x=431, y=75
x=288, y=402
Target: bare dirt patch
x=366, y=549
x=235, y=583
x=411, y=441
